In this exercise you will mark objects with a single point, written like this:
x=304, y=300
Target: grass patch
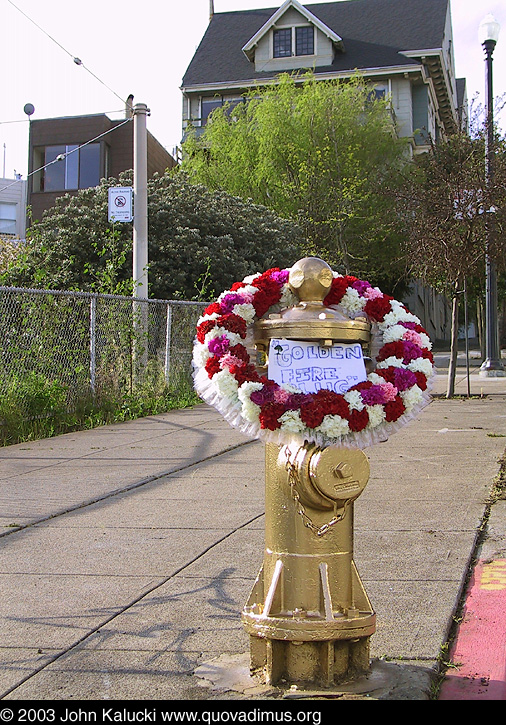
x=33, y=407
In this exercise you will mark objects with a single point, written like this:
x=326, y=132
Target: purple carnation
x=404, y=379
x=373, y=395
x=281, y=277
x=361, y=286
x=296, y=400
x=408, y=325
x=218, y=345
x=411, y=351
x=265, y=395
x=229, y=301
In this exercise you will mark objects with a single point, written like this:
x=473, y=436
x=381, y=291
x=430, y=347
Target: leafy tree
x=200, y=242
x=447, y=208
x=317, y=152
x=9, y=250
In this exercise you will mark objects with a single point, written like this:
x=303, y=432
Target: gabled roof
x=248, y=49
x=375, y=33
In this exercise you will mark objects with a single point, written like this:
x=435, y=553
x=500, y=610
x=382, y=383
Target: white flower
x=426, y=341
x=333, y=426
x=421, y=365
x=203, y=318
x=250, y=411
x=246, y=311
x=392, y=361
x=412, y=397
x=392, y=334
x=376, y=379
x=288, y=298
x=352, y=301
x=251, y=278
x=290, y=388
x=376, y=415
x=291, y=421
x=354, y=399
x=398, y=314
x=246, y=389
x=226, y=384
x=200, y=355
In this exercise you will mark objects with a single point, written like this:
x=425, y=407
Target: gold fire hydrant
x=308, y=615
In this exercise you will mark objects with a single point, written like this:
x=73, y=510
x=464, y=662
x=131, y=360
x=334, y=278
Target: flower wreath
x=366, y=414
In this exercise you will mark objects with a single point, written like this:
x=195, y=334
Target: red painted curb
x=479, y=651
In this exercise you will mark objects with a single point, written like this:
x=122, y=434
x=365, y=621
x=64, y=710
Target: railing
x=91, y=343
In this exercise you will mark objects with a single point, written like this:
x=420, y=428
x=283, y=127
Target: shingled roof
x=375, y=33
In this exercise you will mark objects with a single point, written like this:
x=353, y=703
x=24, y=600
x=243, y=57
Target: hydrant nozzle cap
x=310, y=278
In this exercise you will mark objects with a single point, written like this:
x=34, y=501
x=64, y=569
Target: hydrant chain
x=293, y=478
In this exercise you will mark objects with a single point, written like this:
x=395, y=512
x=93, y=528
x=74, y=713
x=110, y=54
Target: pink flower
x=389, y=391
x=412, y=336
x=371, y=294
x=281, y=396
x=228, y=361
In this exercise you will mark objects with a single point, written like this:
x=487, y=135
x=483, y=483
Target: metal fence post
x=168, y=334
x=93, y=342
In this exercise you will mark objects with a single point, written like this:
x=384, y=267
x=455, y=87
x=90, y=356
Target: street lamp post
x=492, y=366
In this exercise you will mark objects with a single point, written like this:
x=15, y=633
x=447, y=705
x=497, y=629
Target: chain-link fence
x=85, y=344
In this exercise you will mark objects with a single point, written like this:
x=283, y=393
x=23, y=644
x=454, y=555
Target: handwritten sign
x=311, y=367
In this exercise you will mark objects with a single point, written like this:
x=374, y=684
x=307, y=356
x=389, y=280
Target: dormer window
x=304, y=40
x=300, y=38
x=283, y=43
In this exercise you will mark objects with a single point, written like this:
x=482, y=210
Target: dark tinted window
x=304, y=41
x=282, y=43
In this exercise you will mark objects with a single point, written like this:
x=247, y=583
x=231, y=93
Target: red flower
x=244, y=373
x=358, y=419
x=312, y=414
x=240, y=352
x=377, y=308
x=213, y=366
x=387, y=373
x=336, y=292
x=391, y=349
x=233, y=323
x=269, y=293
x=428, y=355
x=332, y=403
x=269, y=414
x=421, y=381
x=362, y=386
x=394, y=409
x=237, y=285
x=204, y=328
x=214, y=307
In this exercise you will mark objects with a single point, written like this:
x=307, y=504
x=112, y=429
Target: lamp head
x=489, y=30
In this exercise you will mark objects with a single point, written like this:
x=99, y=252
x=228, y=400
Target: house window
x=208, y=105
x=301, y=38
x=79, y=169
x=283, y=43
x=7, y=218
x=304, y=40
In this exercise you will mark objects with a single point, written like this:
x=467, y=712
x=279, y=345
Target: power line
x=62, y=157
x=76, y=60
x=27, y=120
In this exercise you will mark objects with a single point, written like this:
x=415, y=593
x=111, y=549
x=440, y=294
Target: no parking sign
x=120, y=204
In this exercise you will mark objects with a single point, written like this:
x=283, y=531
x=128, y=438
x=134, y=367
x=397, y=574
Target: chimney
x=211, y=9
x=129, y=106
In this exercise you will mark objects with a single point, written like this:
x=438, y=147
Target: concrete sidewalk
x=127, y=552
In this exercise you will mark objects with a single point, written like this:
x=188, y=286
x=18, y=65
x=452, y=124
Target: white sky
x=144, y=48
